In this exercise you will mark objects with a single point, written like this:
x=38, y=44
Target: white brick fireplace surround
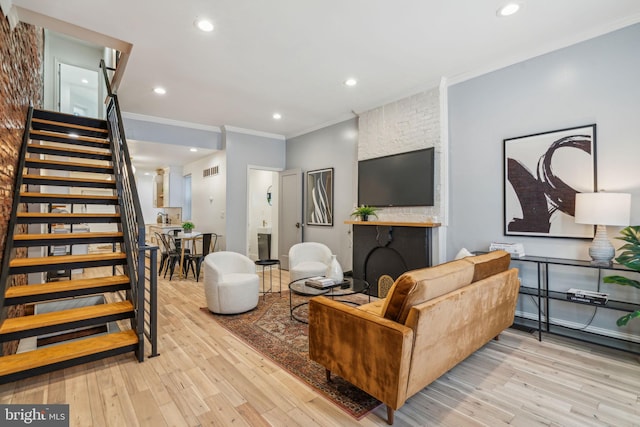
x=410, y=124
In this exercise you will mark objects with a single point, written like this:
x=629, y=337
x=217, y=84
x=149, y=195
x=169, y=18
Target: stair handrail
x=8, y=252
x=131, y=215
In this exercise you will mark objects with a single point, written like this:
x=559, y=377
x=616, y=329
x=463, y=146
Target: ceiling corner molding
x=340, y=119
x=253, y=132
x=170, y=122
x=589, y=34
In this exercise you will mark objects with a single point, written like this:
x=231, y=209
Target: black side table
x=269, y=263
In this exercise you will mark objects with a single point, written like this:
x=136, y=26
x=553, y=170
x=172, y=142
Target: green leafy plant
x=365, y=211
x=188, y=226
x=629, y=257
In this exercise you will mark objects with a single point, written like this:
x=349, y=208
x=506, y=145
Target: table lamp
x=602, y=209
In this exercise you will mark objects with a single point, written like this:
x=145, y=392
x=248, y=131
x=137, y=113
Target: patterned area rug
x=270, y=330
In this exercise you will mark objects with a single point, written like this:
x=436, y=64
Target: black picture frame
x=319, y=200
x=542, y=174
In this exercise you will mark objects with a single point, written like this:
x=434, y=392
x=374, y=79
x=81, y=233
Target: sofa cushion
x=417, y=286
x=374, y=307
x=488, y=264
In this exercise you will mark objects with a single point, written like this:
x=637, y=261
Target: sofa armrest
x=369, y=351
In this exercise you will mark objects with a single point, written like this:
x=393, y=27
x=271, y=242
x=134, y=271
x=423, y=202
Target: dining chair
x=174, y=250
x=164, y=252
x=204, y=244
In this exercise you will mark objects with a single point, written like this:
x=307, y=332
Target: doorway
x=78, y=92
x=262, y=214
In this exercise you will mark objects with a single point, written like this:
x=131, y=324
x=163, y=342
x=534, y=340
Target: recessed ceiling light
x=350, y=82
x=277, y=116
x=159, y=90
x=85, y=81
x=508, y=9
x=204, y=25
x=147, y=173
x=193, y=150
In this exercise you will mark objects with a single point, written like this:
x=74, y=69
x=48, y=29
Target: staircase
x=61, y=142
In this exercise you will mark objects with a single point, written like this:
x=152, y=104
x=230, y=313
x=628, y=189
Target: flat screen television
x=404, y=179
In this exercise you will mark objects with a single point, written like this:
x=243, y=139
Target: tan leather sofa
x=432, y=319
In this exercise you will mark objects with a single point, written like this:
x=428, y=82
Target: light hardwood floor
x=206, y=376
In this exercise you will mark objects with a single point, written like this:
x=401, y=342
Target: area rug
x=270, y=330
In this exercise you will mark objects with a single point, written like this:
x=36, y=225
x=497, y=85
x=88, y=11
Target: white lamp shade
x=603, y=208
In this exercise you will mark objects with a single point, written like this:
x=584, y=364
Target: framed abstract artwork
x=542, y=175
x=319, y=203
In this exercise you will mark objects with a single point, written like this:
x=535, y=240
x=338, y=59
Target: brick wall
x=20, y=83
x=409, y=124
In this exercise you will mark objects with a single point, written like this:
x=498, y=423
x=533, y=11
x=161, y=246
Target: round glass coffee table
x=350, y=286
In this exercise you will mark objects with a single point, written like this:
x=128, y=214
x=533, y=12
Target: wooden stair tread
x=36, y=133
x=67, y=236
x=62, y=163
x=65, y=285
x=25, y=323
x=66, y=215
x=63, y=352
x=69, y=125
x=68, y=178
x=69, y=150
x=69, y=196
x=62, y=259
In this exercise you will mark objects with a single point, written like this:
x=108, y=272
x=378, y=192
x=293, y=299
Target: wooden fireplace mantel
x=396, y=223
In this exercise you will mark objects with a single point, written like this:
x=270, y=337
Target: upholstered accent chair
x=308, y=259
x=431, y=320
x=231, y=284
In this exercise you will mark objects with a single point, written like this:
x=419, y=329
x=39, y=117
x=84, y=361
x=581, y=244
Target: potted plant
x=364, y=211
x=629, y=257
x=187, y=226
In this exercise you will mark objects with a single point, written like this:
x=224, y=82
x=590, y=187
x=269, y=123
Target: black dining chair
x=174, y=251
x=164, y=252
x=204, y=244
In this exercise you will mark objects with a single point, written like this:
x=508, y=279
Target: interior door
x=290, y=218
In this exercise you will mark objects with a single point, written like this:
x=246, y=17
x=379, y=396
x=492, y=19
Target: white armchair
x=231, y=284
x=308, y=259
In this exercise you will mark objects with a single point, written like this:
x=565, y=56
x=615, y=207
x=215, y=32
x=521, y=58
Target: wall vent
x=210, y=171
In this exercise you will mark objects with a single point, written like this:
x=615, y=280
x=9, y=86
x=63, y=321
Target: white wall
x=208, y=196
x=260, y=212
x=144, y=185
x=68, y=51
x=331, y=147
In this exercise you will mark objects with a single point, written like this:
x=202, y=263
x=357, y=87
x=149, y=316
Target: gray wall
x=597, y=81
x=171, y=134
x=334, y=147
x=244, y=150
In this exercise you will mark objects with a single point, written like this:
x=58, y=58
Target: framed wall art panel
x=542, y=175
x=319, y=203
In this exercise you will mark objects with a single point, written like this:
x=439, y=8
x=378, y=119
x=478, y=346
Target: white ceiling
x=292, y=56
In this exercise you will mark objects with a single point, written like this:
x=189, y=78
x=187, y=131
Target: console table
x=543, y=295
